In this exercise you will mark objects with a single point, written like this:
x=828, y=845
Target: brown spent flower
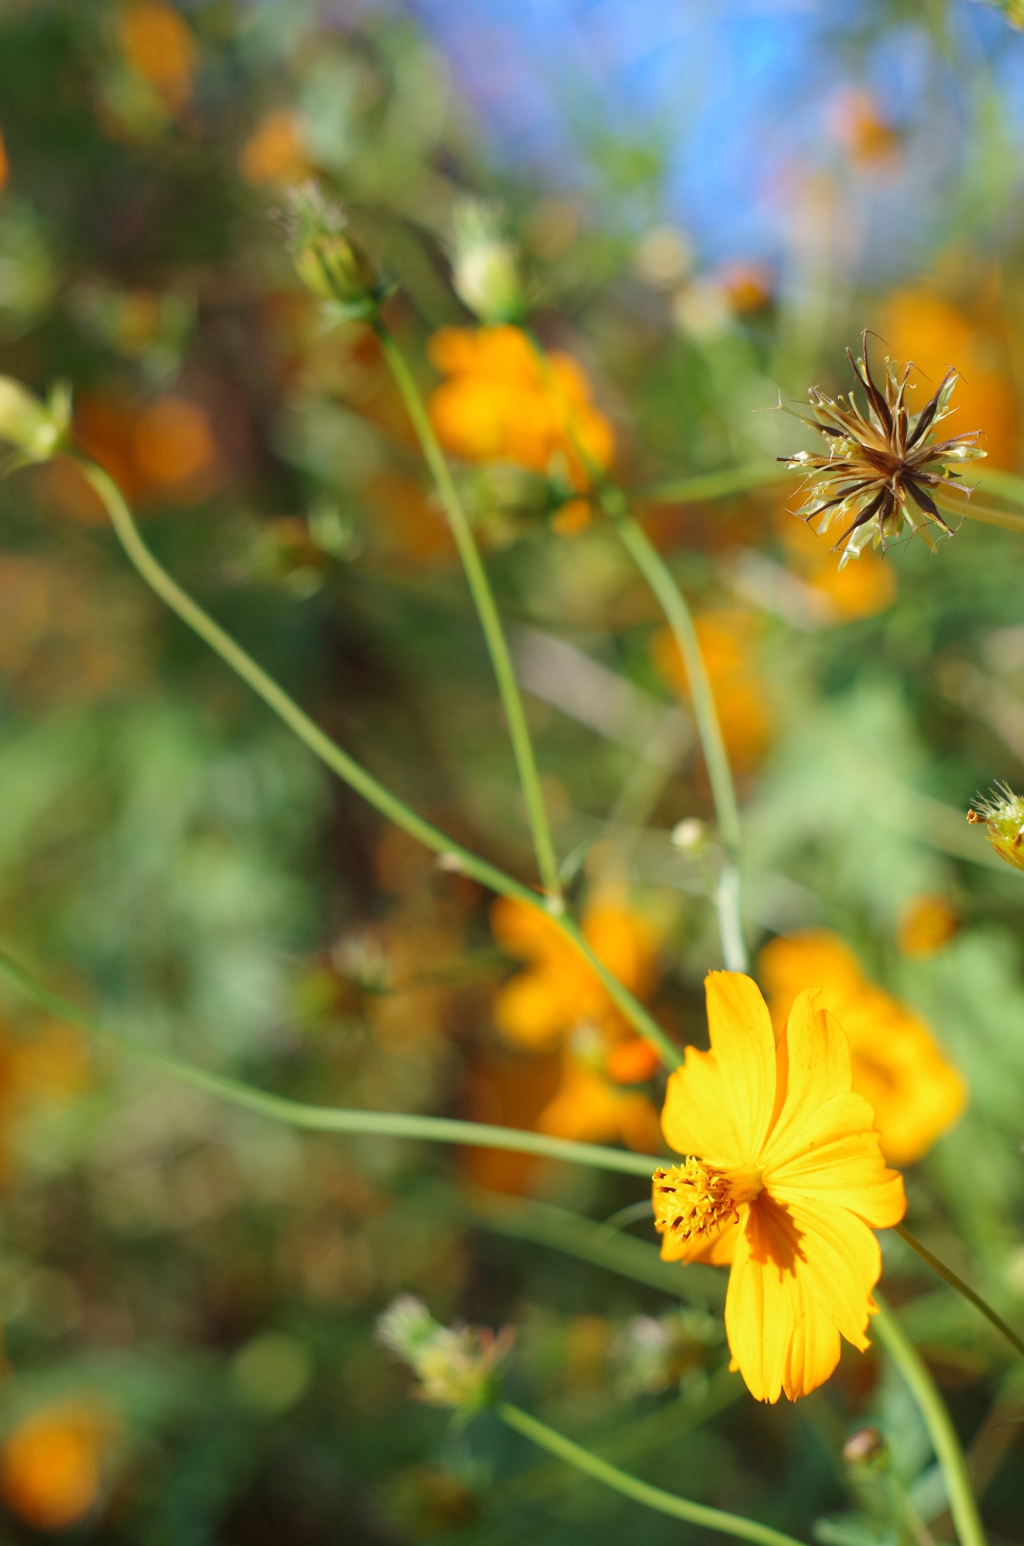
x=882, y=469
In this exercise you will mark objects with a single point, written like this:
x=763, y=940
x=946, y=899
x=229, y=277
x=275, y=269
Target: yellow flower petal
x=778, y=1336
x=813, y=1064
x=719, y=1104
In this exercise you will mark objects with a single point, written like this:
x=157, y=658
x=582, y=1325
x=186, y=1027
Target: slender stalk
x=961, y=1287
x=632, y=1487
x=487, y=611
x=347, y=768
x=712, y=485
x=541, y=1223
x=962, y=1504
x=659, y=577
x=986, y=516
x=331, y=1119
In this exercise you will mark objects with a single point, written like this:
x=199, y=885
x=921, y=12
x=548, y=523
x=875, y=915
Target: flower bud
x=485, y=266
x=866, y=1447
x=1003, y=816
x=328, y=260
x=37, y=431
x=455, y=1365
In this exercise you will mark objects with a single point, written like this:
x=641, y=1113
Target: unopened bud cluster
x=456, y=1366
x=36, y=430
x=328, y=259
x=1003, y=817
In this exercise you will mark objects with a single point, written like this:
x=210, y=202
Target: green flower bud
x=456, y=1366
x=37, y=431
x=1003, y=817
x=485, y=265
x=328, y=260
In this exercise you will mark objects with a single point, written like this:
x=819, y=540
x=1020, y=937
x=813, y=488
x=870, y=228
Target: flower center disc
x=695, y=1201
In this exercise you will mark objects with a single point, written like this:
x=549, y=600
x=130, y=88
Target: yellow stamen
x=695, y=1201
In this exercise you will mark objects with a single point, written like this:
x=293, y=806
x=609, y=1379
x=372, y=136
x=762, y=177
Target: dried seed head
x=1003, y=816
x=884, y=468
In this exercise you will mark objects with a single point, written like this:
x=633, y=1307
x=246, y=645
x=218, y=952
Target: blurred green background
x=708, y=208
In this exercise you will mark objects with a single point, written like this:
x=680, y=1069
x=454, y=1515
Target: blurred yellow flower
x=157, y=44
x=50, y=1464
x=915, y=1093
x=857, y=124
x=784, y=1180
x=726, y=639
x=503, y=403
x=558, y=991
x=926, y=923
x=920, y=326
x=274, y=152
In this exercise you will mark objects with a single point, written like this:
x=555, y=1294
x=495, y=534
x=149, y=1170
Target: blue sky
x=740, y=92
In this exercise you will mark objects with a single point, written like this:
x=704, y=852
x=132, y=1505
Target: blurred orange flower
x=163, y=449
x=592, y=1109
x=5, y=165
x=859, y=127
x=862, y=589
x=503, y=403
x=158, y=46
x=50, y=1464
x=558, y=991
x=926, y=923
x=898, y=1067
x=727, y=640
x=274, y=152
x=922, y=327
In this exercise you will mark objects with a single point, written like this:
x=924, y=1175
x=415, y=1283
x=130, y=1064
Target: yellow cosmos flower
x=898, y=1066
x=784, y=1179
x=503, y=403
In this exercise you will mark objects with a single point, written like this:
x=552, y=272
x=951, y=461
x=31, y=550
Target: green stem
x=487, y=611
x=962, y=1504
x=712, y=485
x=332, y=1119
x=961, y=1287
x=659, y=577
x=541, y=1223
x=347, y=768
x=632, y=1487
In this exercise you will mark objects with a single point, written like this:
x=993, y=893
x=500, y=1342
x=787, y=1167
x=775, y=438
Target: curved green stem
x=961, y=1287
x=332, y=1119
x=659, y=577
x=346, y=767
x=962, y=1503
x=487, y=611
x=712, y=485
x=632, y=1487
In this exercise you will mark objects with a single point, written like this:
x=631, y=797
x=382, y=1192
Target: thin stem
x=712, y=485
x=347, y=768
x=541, y=1223
x=659, y=577
x=962, y=1504
x=487, y=611
x=947, y=1273
x=632, y=1487
x=331, y=1119
x=632, y=1213
x=986, y=516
